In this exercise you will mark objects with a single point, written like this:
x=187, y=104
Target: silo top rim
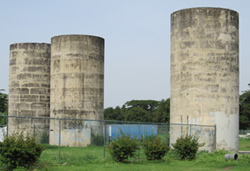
x=77, y=35
x=29, y=43
x=209, y=8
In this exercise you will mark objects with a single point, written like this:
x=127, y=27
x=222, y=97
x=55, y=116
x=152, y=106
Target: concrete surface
x=205, y=72
x=77, y=81
x=29, y=87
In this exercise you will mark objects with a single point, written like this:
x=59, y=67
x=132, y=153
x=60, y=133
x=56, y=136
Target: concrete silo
x=205, y=73
x=77, y=88
x=29, y=84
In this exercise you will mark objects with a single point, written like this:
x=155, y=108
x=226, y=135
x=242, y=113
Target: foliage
x=3, y=101
x=137, y=114
x=18, y=150
x=123, y=147
x=140, y=111
x=245, y=110
x=156, y=149
x=186, y=147
x=162, y=112
x=97, y=140
x=148, y=138
x=147, y=105
x=114, y=114
x=3, y=107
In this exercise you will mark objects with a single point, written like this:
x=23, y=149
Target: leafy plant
x=97, y=140
x=17, y=150
x=155, y=149
x=123, y=147
x=187, y=147
x=148, y=138
x=44, y=138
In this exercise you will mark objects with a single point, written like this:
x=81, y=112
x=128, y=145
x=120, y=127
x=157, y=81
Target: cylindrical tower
x=29, y=84
x=77, y=87
x=205, y=74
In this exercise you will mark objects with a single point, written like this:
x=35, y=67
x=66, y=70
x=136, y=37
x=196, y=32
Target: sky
x=136, y=33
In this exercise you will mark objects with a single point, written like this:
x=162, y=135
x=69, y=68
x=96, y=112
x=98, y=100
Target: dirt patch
x=229, y=168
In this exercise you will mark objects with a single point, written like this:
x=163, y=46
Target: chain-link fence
x=205, y=133
x=64, y=138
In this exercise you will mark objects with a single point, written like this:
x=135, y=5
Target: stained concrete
x=205, y=72
x=29, y=84
x=77, y=83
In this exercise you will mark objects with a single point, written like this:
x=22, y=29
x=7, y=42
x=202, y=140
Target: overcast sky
x=136, y=33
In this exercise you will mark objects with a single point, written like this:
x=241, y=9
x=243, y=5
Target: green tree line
x=140, y=111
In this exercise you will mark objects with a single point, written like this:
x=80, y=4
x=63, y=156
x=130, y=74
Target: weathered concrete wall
x=77, y=80
x=205, y=72
x=73, y=137
x=29, y=84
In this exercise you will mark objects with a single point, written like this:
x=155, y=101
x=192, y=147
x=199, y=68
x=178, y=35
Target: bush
x=44, y=138
x=148, y=138
x=97, y=140
x=155, y=149
x=17, y=150
x=187, y=147
x=123, y=147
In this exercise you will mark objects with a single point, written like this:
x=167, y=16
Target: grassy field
x=244, y=144
x=91, y=158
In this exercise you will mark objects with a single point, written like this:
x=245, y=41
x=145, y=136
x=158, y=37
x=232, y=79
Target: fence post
x=190, y=129
x=7, y=128
x=104, y=138
x=34, y=130
x=215, y=136
x=139, y=140
x=59, y=155
x=167, y=134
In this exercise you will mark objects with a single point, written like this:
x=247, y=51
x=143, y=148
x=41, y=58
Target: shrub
x=187, y=147
x=123, y=147
x=155, y=149
x=148, y=138
x=17, y=150
x=44, y=138
x=97, y=140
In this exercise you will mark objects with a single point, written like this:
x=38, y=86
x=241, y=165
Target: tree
x=113, y=114
x=137, y=114
x=148, y=105
x=3, y=101
x=140, y=111
x=3, y=106
x=245, y=110
x=162, y=113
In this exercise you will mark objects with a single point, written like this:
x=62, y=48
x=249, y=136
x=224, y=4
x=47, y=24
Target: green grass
x=244, y=144
x=92, y=158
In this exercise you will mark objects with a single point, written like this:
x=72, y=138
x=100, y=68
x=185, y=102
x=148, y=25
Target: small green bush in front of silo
x=19, y=150
x=123, y=147
x=155, y=149
x=187, y=147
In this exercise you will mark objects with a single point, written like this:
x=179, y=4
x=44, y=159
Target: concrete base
x=72, y=137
